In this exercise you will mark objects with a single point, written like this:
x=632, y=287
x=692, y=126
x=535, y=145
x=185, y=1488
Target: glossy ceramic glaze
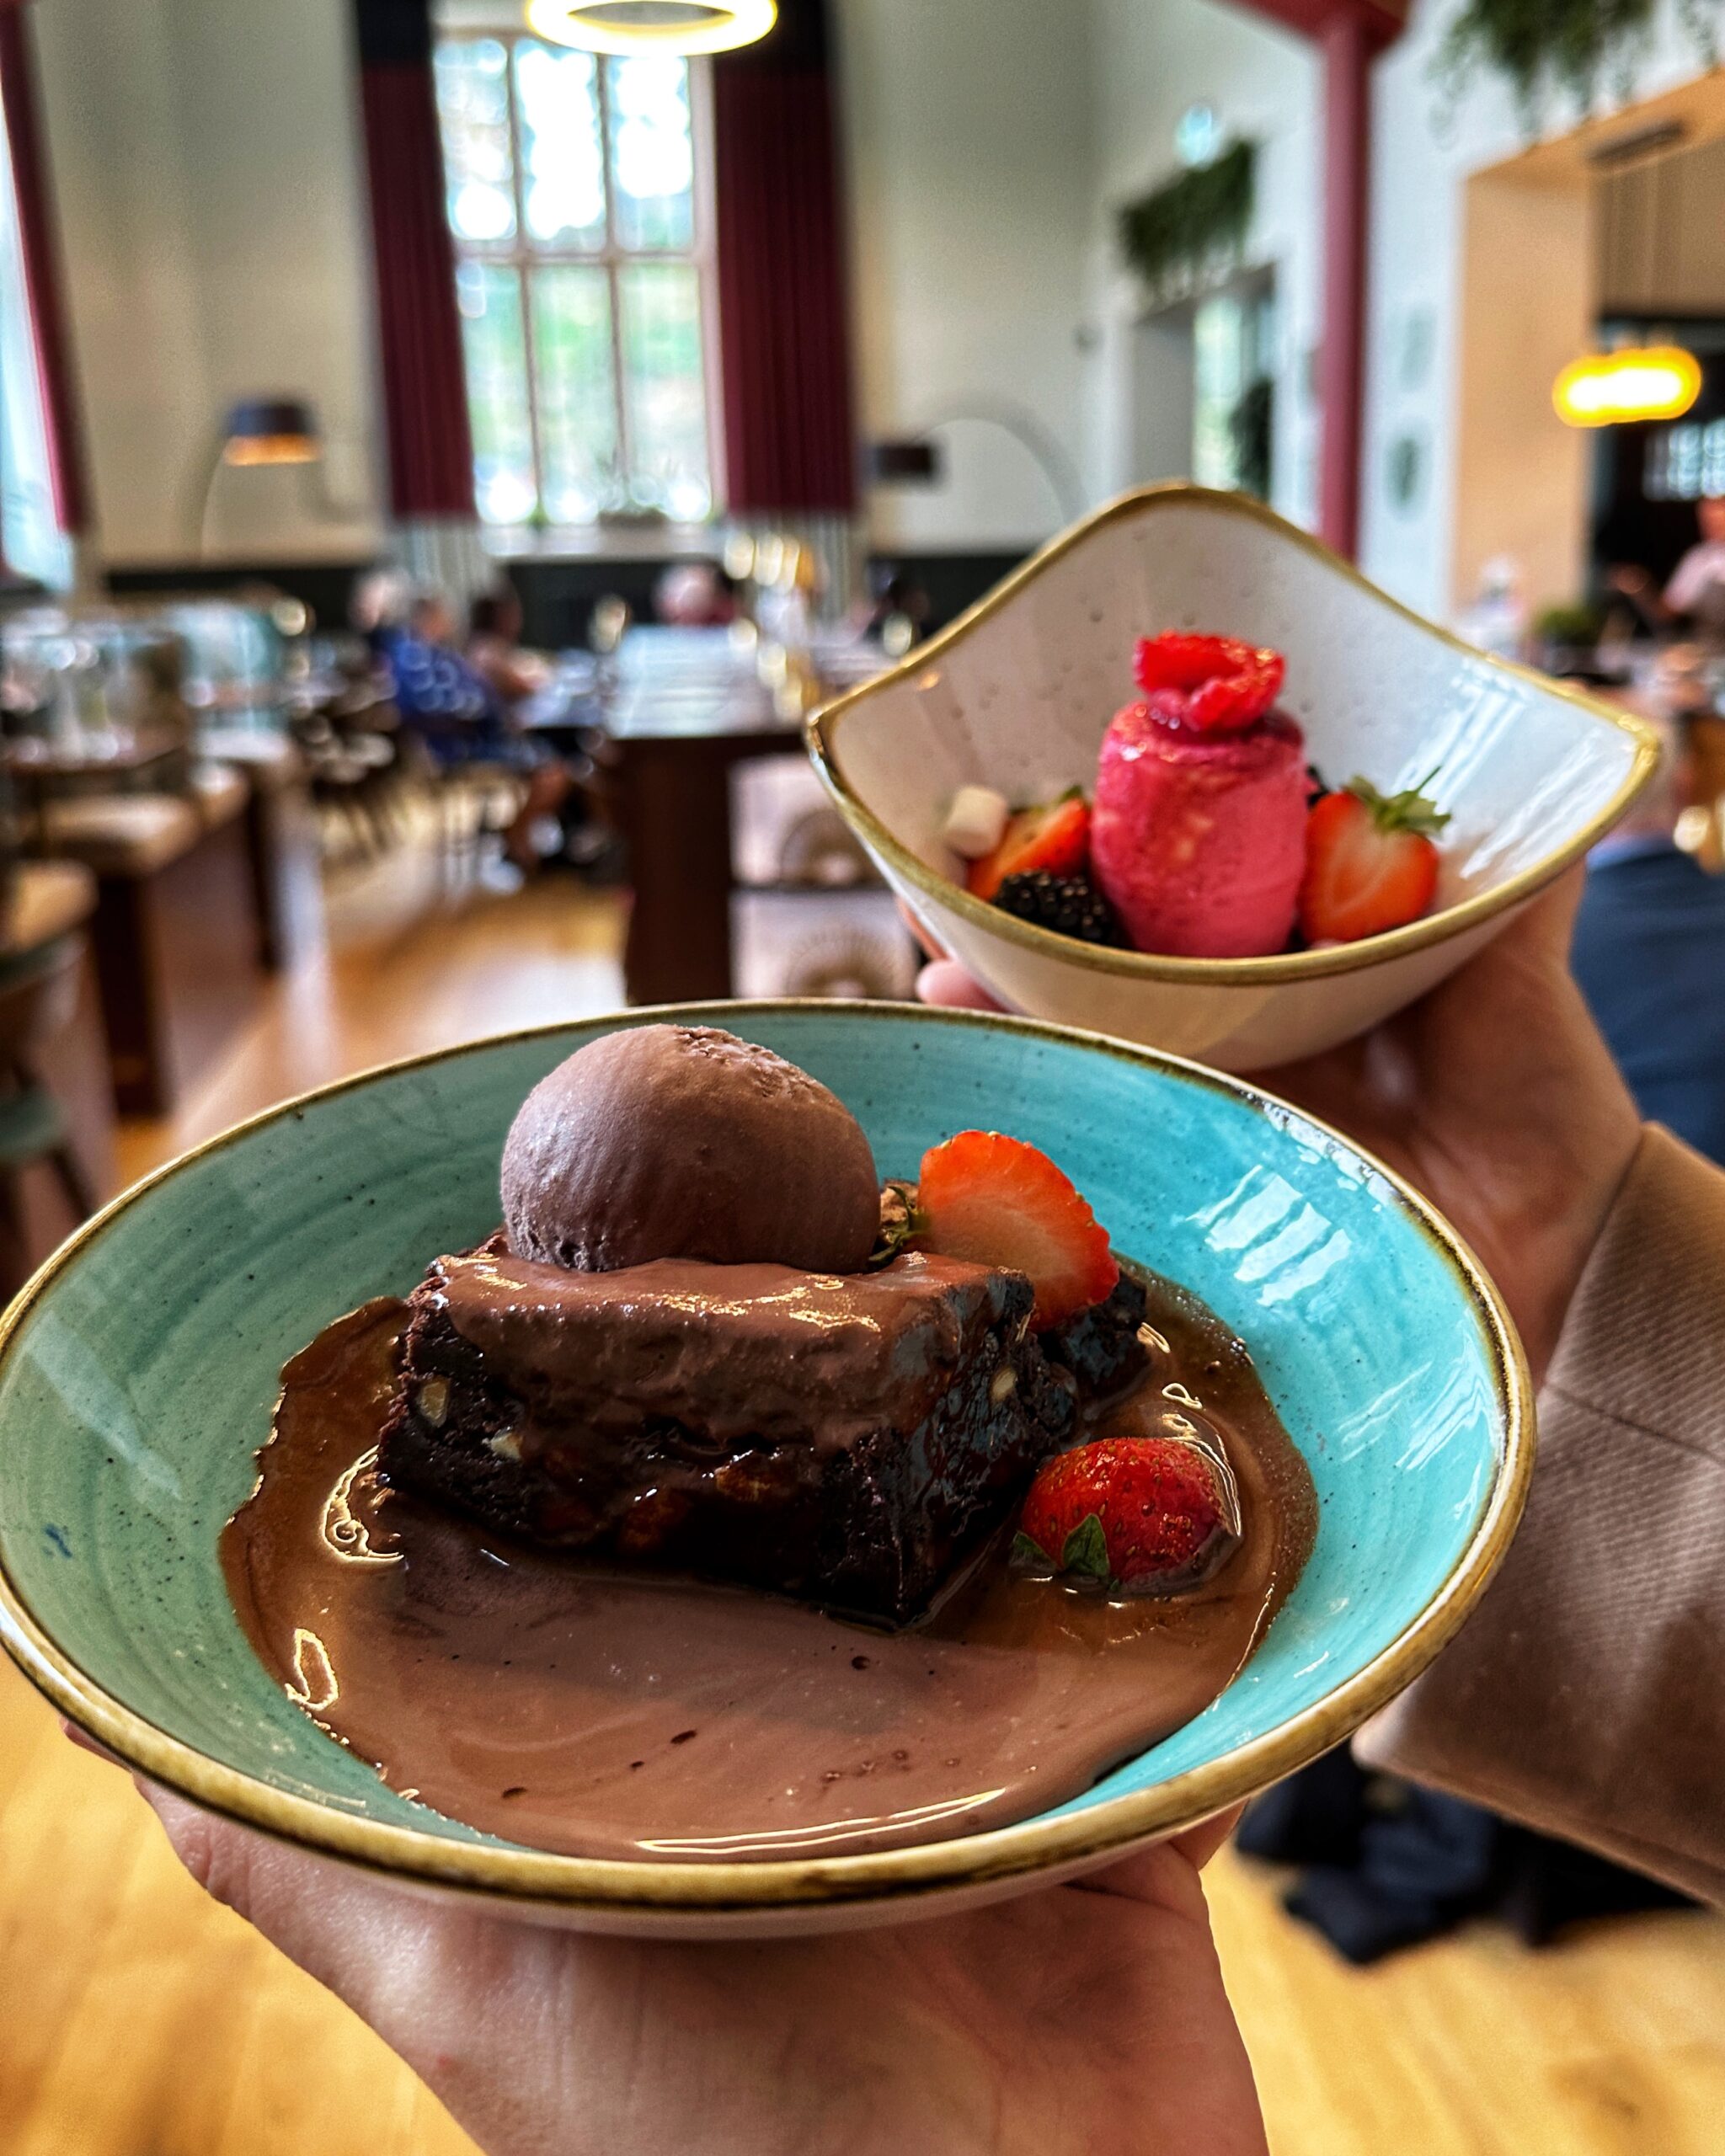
x=1017, y=693
x=138, y=1371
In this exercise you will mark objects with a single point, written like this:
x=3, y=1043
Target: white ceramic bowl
x=1018, y=692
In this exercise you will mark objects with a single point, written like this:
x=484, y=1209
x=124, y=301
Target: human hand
x=1494, y=1095
x=1088, y=2018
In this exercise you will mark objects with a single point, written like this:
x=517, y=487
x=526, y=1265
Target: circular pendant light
x=665, y=26
x=1605, y=389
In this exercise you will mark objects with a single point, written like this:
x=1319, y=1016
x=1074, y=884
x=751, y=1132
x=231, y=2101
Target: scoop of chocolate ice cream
x=683, y=1141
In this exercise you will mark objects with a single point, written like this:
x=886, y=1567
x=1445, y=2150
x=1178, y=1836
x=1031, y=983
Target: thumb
x=1547, y=929
x=946, y=983
x=1165, y=1874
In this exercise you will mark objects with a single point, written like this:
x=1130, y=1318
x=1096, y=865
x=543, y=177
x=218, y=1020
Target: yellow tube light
x=666, y=26
x=1654, y=381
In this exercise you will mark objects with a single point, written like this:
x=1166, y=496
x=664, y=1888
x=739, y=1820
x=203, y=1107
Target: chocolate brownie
x=845, y=1439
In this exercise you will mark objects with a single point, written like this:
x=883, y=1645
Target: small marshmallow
x=975, y=821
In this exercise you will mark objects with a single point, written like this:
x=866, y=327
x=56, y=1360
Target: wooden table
x=281, y=838
x=176, y=930
x=128, y=759
x=685, y=707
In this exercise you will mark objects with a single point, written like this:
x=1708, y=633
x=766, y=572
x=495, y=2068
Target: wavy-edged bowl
x=1018, y=692
x=138, y=1369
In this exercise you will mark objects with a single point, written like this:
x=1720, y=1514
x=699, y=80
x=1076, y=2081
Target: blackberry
x=1070, y=906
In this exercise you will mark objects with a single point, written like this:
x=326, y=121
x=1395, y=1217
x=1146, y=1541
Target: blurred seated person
x=1695, y=595
x=446, y=700
x=1647, y=954
x=899, y=617
x=495, y=648
x=574, y=742
x=457, y=715
x=382, y=600
x=695, y=595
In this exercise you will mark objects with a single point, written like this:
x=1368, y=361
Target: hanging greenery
x=1573, y=47
x=1193, y=225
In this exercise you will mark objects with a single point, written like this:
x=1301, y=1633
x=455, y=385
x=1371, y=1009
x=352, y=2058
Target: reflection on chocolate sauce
x=629, y=1715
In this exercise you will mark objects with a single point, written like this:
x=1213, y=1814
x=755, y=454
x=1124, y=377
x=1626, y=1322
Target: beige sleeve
x=1586, y=1696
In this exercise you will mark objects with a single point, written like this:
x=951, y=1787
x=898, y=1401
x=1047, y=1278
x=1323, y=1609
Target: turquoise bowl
x=138, y=1369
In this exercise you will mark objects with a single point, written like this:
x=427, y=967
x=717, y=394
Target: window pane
x=573, y=355
x=1219, y=331
x=473, y=108
x=652, y=153
x=563, y=178
x=490, y=298
x=667, y=404
x=33, y=543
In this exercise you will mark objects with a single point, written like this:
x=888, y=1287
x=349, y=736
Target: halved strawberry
x=1216, y=683
x=1139, y=1514
x=998, y=1201
x=1370, y=864
x=1055, y=838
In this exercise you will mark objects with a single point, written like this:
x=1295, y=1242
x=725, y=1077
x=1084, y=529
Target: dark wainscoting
x=325, y=587
x=950, y=582
x=557, y=595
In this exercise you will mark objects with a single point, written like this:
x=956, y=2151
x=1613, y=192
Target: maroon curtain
x=418, y=328
x=783, y=319
x=48, y=320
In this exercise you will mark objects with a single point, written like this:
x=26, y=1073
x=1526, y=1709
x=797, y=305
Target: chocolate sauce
x=634, y=1715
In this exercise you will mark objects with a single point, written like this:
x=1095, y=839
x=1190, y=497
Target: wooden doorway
x=1534, y=281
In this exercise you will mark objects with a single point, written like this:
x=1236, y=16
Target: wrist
x=1561, y=1246
x=1639, y=1341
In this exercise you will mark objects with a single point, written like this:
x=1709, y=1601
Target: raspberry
x=1214, y=683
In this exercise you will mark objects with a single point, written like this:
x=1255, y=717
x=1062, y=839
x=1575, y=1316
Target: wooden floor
x=138, y=2019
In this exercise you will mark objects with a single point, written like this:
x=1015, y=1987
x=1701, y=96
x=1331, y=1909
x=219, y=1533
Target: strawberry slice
x=1370, y=861
x=1055, y=838
x=1131, y=1515
x=998, y=1201
x=1216, y=685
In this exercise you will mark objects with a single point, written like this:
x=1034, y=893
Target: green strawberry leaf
x=1087, y=1550
x=1027, y=1550
x=901, y=1221
x=1412, y=809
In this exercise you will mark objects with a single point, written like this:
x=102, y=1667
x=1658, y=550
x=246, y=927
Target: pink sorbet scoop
x=1199, y=838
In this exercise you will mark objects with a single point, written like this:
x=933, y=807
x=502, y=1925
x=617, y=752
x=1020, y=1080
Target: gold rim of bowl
x=821, y=734
x=923, y=1871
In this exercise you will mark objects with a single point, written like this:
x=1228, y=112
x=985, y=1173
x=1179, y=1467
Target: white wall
x=1415, y=290
x=1153, y=59
x=206, y=163
x=991, y=143
x=968, y=129
x=212, y=204
x=206, y=158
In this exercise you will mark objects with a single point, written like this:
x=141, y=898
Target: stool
x=38, y=994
